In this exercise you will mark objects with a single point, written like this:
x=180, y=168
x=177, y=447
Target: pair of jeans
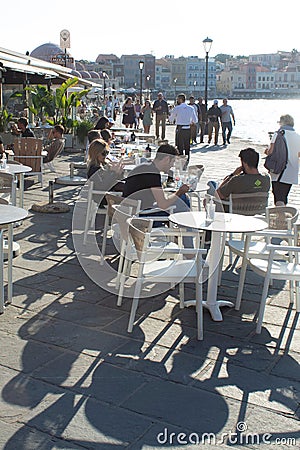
x=226, y=126
x=213, y=126
x=160, y=120
x=182, y=140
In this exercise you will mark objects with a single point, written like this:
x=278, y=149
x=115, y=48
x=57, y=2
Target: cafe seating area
x=98, y=321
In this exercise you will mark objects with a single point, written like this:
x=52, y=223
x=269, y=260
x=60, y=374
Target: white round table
x=8, y=216
x=222, y=224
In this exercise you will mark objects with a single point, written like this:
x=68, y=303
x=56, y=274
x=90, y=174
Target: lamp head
x=207, y=43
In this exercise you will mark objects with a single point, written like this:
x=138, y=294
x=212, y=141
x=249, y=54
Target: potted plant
x=82, y=129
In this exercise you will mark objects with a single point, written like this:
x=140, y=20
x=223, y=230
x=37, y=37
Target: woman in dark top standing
x=128, y=113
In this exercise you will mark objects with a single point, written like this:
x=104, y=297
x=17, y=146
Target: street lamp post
x=148, y=89
x=175, y=81
x=195, y=84
x=104, y=74
x=141, y=65
x=207, y=43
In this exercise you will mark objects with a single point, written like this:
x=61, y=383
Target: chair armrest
x=286, y=248
x=182, y=251
x=174, y=232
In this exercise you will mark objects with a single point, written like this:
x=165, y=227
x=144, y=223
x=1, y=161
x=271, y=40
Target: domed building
x=79, y=66
x=85, y=74
x=94, y=74
x=76, y=73
x=48, y=51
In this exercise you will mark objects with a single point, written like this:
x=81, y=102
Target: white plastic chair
x=8, y=187
x=115, y=198
x=281, y=221
x=93, y=208
x=164, y=270
x=122, y=213
x=272, y=269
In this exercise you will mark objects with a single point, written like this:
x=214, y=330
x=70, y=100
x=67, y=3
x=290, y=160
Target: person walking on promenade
x=214, y=116
x=161, y=109
x=137, y=110
x=203, y=118
x=282, y=183
x=147, y=116
x=227, y=113
x=194, y=126
x=128, y=113
x=184, y=115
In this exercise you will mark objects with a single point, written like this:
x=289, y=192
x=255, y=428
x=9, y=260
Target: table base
x=71, y=181
x=214, y=308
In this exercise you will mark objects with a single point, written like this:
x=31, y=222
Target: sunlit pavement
x=73, y=378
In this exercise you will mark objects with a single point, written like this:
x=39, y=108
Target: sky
x=159, y=27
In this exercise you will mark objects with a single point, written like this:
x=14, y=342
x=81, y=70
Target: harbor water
x=256, y=118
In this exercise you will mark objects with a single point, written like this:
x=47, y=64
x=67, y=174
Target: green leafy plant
x=64, y=102
x=42, y=100
x=82, y=129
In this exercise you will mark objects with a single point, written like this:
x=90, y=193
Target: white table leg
x=9, y=262
x=213, y=259
x=21, y=190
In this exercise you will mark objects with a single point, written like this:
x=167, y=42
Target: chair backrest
x=121, y=216
x=114, y=199
x=281, y=217
x=7, y=187
x=57, y=149
x=139, y=232
x=28, y=151
x=248, y=204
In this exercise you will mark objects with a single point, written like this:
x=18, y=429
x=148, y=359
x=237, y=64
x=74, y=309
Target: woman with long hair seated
x=106, y=174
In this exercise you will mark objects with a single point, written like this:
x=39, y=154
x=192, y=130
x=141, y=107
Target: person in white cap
x=214, y=115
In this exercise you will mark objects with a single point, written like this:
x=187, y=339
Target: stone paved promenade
x=72, y=378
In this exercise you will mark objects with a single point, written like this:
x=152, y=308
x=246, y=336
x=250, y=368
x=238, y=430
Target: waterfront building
x=132, y=70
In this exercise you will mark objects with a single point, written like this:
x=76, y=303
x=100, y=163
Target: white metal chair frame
x=164, y=271
x=279, y=270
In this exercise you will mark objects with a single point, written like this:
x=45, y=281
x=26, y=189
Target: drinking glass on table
x=164, y=179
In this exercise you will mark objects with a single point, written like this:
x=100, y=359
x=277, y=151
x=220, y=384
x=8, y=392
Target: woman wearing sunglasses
x=105, y=173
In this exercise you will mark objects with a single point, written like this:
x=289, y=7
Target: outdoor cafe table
x=222, y=224
x=8, y=216
x=19, y=170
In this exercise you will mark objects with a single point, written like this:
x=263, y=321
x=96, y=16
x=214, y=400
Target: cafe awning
x=18, y=62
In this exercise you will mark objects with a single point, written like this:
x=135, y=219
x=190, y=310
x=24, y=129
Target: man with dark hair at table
x=22, y=128
x=56, y=145
x=245, y=179
x=144, y=183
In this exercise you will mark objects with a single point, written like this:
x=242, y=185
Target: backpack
x=277, y=161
